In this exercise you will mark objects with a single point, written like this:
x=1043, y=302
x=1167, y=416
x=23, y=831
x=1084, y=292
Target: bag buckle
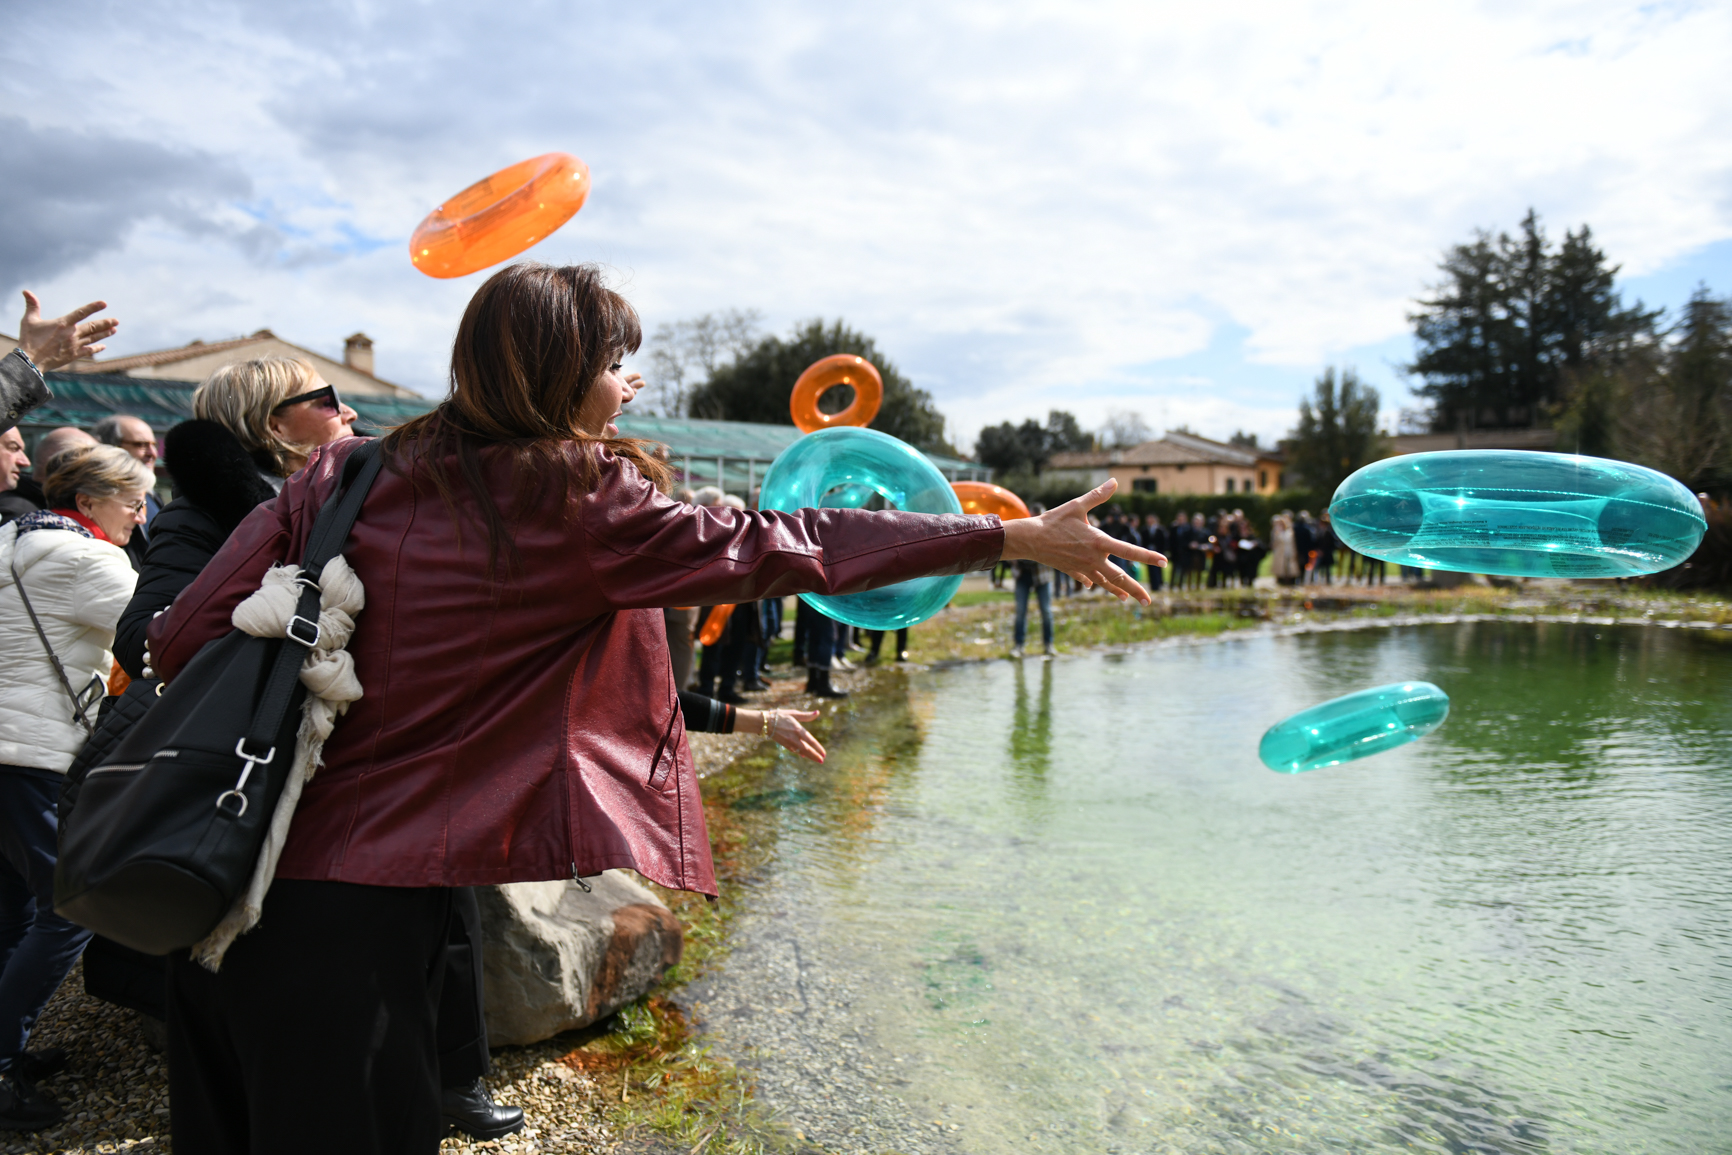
x=306, y=626
x=256, y=759
x=251, y=760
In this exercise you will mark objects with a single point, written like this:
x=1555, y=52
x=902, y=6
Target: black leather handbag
x=161, y=832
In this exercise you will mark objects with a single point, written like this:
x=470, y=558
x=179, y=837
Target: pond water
x=1060, y=906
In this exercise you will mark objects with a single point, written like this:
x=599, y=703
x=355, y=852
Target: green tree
x=1337, y=431
x=1512, y=321
x=1025, y=449
x=756, y=385
x=1675, y=402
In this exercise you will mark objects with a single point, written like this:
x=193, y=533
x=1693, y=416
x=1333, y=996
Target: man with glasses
x=133, y=435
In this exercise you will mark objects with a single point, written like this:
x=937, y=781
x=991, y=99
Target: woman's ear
x=84, y=504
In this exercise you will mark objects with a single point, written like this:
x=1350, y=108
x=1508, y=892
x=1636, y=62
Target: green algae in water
x=1518, y=514
x=774, y=799
x=1077, y=908
x=1354, y=726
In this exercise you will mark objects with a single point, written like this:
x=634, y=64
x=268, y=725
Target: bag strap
x=60, y=669
x=330, y=532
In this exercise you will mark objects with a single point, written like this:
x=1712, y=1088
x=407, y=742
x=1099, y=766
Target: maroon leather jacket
x=532, y=730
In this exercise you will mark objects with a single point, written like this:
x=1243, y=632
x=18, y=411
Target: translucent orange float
x=715, y=624
x=823, y=375
x=495, y=219
x=980, y=497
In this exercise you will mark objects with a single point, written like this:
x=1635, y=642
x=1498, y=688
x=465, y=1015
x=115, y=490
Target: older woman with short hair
x=63, y=582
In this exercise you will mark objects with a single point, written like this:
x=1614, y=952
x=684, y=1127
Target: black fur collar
x=212, y=470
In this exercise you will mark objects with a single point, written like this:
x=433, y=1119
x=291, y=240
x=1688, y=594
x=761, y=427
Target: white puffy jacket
x=78, y=586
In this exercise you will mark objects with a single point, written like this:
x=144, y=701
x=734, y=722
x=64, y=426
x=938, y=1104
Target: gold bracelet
x=766, y=722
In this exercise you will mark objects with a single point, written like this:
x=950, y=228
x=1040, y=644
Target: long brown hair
x=532, y=343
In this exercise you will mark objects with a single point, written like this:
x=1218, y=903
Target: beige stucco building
x=1179, y=463
x=195, y=361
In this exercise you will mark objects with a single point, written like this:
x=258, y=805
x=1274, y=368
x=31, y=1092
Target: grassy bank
x=978, y=625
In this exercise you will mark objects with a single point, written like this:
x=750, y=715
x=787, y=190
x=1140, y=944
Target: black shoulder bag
x=159, y=834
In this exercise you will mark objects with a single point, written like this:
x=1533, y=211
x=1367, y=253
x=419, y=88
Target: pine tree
x=1513, y=322
x=1676, y=404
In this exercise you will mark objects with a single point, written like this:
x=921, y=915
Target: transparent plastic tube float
x=1354, y=726
x=845, y=467
x=1519, y=514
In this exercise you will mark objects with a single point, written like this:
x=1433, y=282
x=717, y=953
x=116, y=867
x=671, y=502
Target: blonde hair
x=241, y=396
x=96, y=471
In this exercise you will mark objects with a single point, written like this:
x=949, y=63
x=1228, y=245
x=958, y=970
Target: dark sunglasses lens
x=325, y=398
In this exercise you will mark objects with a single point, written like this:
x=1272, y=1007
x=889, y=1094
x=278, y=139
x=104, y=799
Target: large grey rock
x=557, y=958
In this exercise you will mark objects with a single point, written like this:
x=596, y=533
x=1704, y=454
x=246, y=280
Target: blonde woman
x=64, y=578
x=279, y=408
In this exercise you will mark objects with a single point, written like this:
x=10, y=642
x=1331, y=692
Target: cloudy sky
x=1182, y=209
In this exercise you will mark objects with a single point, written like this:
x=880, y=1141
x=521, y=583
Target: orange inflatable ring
x=824, y=375
x=980, y=497
x=715, y=624
x=495, y=219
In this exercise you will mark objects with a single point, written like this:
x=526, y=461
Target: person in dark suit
x=1179, y=539
x=1155, y=537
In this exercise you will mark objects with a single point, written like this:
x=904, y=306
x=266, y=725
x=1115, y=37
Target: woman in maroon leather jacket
x=520, y=720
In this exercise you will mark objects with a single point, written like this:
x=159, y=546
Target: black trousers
x=120, y=975
x=318, y=1034
x=461, y=1034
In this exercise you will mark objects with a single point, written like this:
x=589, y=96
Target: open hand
x=785, y=728
x=1063, y=539
x=63, y=340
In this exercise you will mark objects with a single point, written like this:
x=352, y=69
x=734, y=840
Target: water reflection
x=1031, y=734
x=1096, y=922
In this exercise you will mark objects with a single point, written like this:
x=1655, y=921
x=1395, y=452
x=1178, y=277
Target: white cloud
x=1028, y=205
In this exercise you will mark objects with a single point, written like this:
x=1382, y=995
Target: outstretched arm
x=1063, y=539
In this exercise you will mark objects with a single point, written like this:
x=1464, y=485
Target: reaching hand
x=785, y=728
x=1063, y=539
x=63, y=340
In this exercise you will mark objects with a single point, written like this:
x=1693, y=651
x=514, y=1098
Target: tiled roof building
x=195, y=361
x=1175, y=463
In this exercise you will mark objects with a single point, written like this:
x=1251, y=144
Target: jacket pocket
x=662, y=764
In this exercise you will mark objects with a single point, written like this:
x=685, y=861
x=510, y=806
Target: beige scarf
x=329, y=676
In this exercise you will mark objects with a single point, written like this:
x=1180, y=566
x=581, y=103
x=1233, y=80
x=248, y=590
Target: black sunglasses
x=326, y=396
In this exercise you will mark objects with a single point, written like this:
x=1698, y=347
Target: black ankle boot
x=24, y=1108
x=470, y=1110
x=818, y=684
